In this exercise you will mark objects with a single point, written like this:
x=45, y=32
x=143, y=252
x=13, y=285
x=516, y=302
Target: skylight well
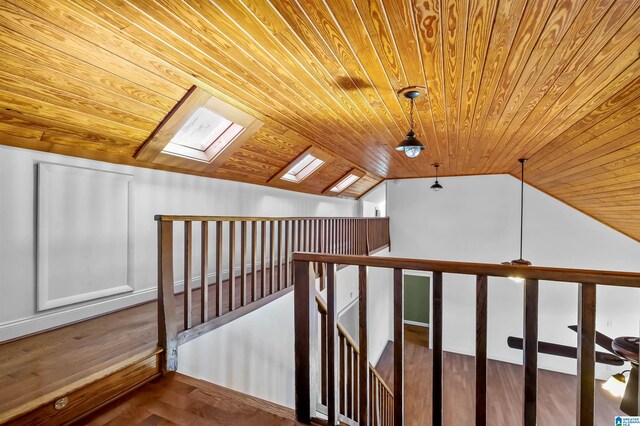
x=344, y=182
x=302, y=168
x=203, y=136
x=200, y=133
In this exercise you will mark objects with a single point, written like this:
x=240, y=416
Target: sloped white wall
x=155, y=192
x=476, y=219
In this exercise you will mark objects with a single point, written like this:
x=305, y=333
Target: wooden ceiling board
x=558, y=82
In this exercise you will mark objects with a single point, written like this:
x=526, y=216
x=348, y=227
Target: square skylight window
x=203, y=136
x=345, y=183
x=302, y=168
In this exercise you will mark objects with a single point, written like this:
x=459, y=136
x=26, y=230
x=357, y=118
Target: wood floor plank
x=556, y=401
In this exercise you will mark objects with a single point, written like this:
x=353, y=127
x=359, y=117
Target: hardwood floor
x=556, y=395
x=181, y=400
x=35, y=366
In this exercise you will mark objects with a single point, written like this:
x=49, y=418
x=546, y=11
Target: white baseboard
x=40, y=322
x=45, y=321
x=416, y=323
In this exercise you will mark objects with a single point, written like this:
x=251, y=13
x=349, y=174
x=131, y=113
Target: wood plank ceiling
x=556, y=81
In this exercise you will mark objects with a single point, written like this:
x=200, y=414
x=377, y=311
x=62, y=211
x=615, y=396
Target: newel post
x=167, y=331
x=306, y=342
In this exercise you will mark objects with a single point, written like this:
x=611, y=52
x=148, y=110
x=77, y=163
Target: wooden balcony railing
x=371, y=406
x=257, y=255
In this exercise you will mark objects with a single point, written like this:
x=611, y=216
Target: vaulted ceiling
x=556, y=81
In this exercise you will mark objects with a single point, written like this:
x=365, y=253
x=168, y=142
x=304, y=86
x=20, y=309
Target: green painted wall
x=416, y=298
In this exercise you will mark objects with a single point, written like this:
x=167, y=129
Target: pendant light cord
x=522, y=161
x=411, y=115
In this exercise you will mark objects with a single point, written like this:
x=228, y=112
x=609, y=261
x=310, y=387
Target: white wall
x=155, y=192
x=476, y=219
x=374, y=199
x=380, y=303
x=255, y=354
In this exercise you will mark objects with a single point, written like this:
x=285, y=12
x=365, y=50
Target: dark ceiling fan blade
x=603, y=341
x=565, y=351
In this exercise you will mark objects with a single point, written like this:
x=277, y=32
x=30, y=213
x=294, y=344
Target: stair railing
x=348, y=381
x=257, y=256
x=308, y=356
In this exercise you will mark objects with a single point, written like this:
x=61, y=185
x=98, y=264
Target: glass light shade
x=411, y=146
x=616, y=385
x=412, y=151
x=519, y=280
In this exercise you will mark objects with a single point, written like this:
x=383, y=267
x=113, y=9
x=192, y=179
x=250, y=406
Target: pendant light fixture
x=520, y=261
x=411, y=146
x=436, y=186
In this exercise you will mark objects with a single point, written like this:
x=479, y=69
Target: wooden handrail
x=611, y=278
x=186, y=218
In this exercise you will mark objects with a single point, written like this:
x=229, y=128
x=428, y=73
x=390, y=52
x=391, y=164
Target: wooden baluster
x=586, y=354
x=354, y=237
x=287, y=255
x=481, y=350
x=363, y=344
x=342, y=381
x=295, y=228
x=304, y=235
x=380, y=403
x=331, y=236
x=371, y=404
x=323, y=236
x=187, y=286
x=204, y=272
x=356, y=387
x=312, y=235
x=324, y=372
x=530, y=351
x=263, y=260
x=166, y=303
x=272, y=259
x=332, y=331
x=306, y=343
x=437, y=354
x=254, y=272
x=349, y=412
x=368, y=238
x=243, y=263
x=398, y=347
x=280, y=285
x=299, y=239
x=344, y=237
x=232, y=266
x=218, y=268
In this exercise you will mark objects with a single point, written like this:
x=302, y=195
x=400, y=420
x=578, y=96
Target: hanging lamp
x=520, y=261
x=411, y=146
x=436, y=186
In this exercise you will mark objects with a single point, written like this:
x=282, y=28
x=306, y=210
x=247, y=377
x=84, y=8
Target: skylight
x=345, y=183
x=203, y=136
x=302, y=168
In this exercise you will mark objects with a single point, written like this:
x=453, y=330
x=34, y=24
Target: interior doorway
x=417, y=307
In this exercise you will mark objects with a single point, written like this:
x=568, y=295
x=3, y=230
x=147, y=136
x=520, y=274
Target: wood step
x=87, y=394
x=178, y=399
